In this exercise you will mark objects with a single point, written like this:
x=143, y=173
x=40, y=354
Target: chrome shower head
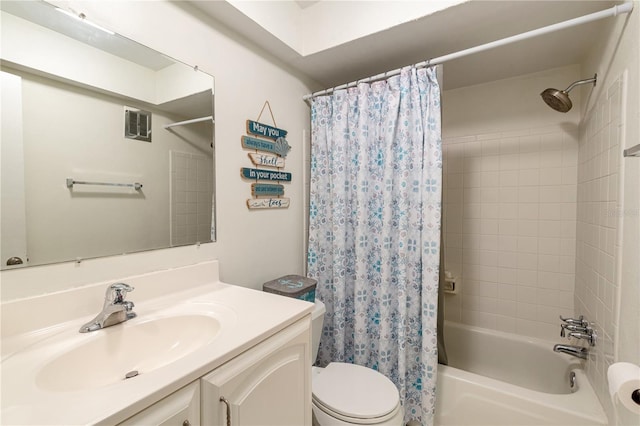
x=559, y=99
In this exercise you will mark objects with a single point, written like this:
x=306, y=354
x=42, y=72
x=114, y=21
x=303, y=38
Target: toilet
x=348, y=394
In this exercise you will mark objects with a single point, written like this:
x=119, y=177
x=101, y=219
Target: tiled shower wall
x=510, y=228
x=191, y=203
x=598, y=240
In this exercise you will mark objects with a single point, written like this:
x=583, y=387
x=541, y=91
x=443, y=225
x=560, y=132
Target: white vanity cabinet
x=181, y=408
x=269, y=384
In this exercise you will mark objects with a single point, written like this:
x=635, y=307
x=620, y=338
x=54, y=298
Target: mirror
x=106, y=146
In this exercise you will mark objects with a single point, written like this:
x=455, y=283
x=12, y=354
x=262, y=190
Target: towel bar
x=70, y=182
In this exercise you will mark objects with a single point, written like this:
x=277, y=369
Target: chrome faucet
x=579, y=322
x=577, y=351
x=572, y=328
x=579, y=329
x=590, y=336
x=115, y=309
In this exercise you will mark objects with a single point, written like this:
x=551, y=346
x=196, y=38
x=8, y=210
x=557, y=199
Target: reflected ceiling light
x=83, y=18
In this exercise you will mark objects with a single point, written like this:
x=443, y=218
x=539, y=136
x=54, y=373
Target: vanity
x=199, y=351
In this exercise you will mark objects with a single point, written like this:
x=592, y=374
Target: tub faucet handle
x=581, y=322
x=574, y=328
x=589, y=336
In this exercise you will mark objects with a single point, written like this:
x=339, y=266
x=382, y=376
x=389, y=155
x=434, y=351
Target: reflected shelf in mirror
x=194, y=120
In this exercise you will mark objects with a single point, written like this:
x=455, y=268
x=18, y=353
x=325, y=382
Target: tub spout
x=577, y=351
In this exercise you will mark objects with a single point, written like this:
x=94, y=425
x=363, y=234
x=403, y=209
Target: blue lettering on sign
x=259, y=129
x=280, y=146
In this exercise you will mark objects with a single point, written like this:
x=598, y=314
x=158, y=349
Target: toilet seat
x=355, y=394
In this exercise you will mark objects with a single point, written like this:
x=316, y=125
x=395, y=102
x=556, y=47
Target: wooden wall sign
x=271, y=154
x=266, y=160
x=280, y=146
x=261, y=174
x=268, y=203
x=266, y=190
x=259, y=129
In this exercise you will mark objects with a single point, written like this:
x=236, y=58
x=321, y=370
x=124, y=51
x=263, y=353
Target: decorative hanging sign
x=259, y=129
x=268, y=203
x=260, y=174
x=266, y=190
x=272, y=154
x=280, y=146
x=266, y=160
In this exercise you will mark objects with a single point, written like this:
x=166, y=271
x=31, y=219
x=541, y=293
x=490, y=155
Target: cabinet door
x=181, y=408
x=268, y=385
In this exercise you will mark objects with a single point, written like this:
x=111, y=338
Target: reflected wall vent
x=137, y=124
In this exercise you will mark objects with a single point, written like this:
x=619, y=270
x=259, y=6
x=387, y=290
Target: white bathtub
x=496, y=378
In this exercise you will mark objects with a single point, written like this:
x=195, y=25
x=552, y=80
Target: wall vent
x=137, y=124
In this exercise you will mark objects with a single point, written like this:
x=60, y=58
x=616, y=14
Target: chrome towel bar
x=70, y=182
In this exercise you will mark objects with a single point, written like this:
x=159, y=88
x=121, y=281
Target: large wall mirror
x=107, y=146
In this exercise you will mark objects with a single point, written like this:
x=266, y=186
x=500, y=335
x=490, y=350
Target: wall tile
x=595, y=251
x=509, y=200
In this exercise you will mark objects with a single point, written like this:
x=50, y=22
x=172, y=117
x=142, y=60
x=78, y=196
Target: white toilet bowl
x=349, y=394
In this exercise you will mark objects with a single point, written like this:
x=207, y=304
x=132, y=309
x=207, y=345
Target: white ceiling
x=450, y=30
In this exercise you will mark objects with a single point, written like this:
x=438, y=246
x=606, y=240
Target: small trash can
x=295, y=286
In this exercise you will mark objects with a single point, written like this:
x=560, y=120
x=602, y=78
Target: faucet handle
x=579, y=322
x=128, y=308
x=117, y=292
x=574, y=327
x=590, y=336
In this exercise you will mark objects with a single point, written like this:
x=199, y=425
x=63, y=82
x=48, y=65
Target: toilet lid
x=355, y=391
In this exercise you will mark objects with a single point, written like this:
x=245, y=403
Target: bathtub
x=496, y=378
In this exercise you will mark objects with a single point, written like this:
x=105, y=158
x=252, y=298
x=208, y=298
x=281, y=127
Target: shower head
x=559, y=99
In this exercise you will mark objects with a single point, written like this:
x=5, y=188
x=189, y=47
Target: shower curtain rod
x=612, y=11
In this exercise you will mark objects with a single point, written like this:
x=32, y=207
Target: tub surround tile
x=598, y=223
x=511, y=201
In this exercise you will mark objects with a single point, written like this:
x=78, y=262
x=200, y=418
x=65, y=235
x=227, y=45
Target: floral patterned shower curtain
x=374, y=229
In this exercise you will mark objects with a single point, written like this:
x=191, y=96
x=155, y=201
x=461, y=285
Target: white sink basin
x=111, y=353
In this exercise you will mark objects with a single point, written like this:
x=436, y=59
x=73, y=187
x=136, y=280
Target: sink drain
x=131, y=374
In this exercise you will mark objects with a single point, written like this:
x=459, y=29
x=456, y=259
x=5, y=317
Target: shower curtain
x=374, y=229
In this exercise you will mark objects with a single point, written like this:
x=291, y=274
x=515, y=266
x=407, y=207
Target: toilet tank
x=317, y=319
